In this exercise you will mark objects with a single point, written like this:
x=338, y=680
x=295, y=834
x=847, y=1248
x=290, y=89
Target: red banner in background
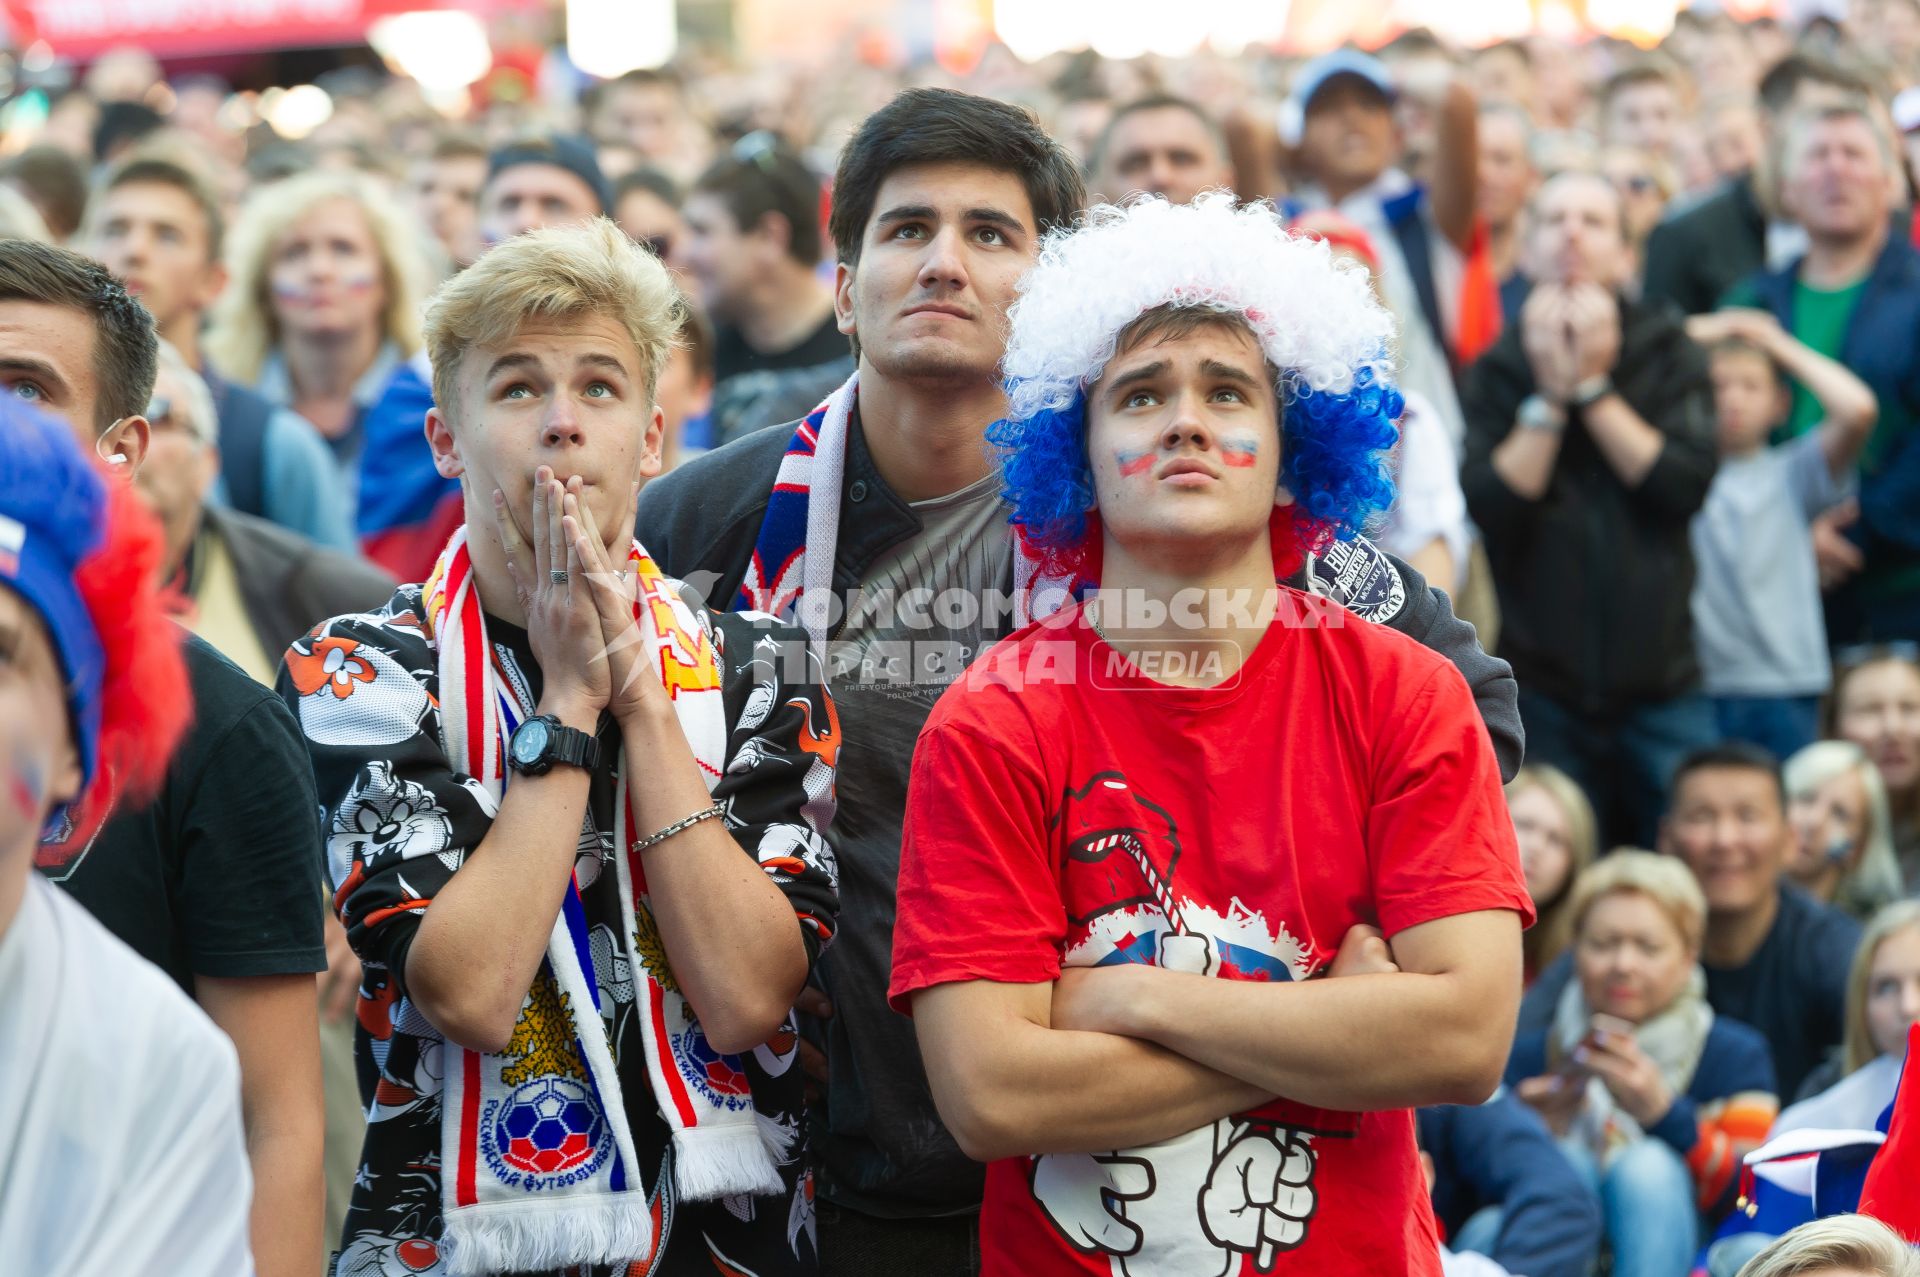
x=80, y=30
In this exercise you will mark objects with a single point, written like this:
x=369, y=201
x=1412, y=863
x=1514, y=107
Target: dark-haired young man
x=214, y=880
x=751, y=249
x=1162, y=145
x=940, y=200
x=157, y=226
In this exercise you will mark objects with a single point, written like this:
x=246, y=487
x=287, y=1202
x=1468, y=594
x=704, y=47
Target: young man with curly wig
x=1135, y=827
x=878, y=523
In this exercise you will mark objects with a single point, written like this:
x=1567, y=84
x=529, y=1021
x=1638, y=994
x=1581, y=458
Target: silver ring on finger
x=558, y=577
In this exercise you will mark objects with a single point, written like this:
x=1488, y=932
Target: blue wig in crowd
x=1318, y=323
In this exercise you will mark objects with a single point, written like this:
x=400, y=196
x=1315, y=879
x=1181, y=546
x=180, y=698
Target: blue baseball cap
x=1330, y=66
x=52, y=518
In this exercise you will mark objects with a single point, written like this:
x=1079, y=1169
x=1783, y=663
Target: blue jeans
x=1646, y=1203
x=1624, y=759
x=1781, y=725
x=1729, y=1255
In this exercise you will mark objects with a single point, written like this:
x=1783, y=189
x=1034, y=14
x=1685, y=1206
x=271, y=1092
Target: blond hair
x=1665, y=881
x=1901, y=916
x=1874, y=877
x=1553, y=928
x=1846, y=1243
x=243, y=327
x=560, y=272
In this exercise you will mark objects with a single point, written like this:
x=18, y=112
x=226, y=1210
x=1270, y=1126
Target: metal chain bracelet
x=651, y=840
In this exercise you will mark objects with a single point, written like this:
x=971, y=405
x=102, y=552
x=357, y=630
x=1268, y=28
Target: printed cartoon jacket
x=400, y=822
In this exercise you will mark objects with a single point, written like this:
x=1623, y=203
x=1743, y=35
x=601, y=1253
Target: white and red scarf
x=791, y=574
x=538, y=1166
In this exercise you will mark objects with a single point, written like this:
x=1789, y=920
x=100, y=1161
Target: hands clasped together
x=1571, y=333
x=579, y=600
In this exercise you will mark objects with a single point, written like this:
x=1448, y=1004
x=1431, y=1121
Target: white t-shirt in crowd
x=121, y=1148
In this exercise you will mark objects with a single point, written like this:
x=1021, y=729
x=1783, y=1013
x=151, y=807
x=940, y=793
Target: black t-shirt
x=221, y=874
x=733, y=356
x=1794, y=988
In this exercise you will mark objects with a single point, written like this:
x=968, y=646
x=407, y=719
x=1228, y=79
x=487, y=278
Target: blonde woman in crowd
x=1842, y=851
x=327, y=277
x=1883, y=1001
x=1554, y=824
x=1654, y=1096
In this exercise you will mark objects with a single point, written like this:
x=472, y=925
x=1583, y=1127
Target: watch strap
x=572, y=746
x=1537, y=412
x=1591, y=391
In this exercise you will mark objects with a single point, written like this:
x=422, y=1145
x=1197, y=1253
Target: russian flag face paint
x=1133, y=464
x=1240, y=451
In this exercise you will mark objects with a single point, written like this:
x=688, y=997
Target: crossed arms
x=1123, y=1056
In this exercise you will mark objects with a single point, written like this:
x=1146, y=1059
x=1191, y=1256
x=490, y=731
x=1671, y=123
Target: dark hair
x=123, y=124
x=1784, y=78
x=565, y=151
x=945, y=126
x=1741, y=346
x=55, y=182
x=125, y=347
x=1628, y=77
x=761, y=175
x=1730, y=755
x=156, y=170
x=1156, y=102
x=649, y=179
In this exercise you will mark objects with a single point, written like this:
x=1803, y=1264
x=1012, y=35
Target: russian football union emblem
x=548, y=1127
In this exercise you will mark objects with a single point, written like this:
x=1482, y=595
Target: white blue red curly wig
x=1324, y=333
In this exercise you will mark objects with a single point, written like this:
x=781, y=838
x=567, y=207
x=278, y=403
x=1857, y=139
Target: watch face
x=530, y=742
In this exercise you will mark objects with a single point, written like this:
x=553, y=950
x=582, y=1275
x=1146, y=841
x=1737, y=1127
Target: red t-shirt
x=1065, y=809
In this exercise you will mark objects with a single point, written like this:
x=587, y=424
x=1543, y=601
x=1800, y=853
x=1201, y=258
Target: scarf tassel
x=547, y=1233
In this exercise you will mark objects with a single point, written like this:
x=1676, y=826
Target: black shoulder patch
x=1358, y=575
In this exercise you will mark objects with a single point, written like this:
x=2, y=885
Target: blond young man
x=576, y=826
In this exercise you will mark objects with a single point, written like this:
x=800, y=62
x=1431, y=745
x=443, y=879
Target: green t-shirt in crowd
x=1820, y=318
